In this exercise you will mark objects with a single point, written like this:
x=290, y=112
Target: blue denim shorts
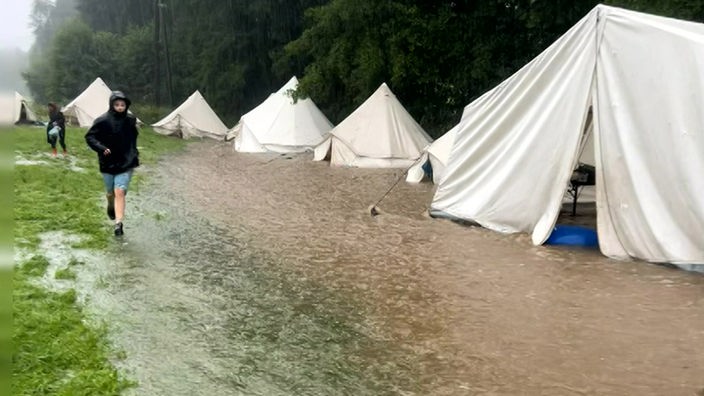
x=121, y=181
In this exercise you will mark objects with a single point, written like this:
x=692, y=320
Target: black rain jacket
x=118, y=132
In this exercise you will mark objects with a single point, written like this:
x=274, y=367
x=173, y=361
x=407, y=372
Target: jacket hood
x=115, y=95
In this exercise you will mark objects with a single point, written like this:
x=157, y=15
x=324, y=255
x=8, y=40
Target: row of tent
x=622, y=91
x=380, y=133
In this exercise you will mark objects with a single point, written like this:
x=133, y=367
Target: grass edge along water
x=55, y=349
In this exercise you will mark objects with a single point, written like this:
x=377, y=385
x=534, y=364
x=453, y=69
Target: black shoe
x=118, y=229
x=111, y=212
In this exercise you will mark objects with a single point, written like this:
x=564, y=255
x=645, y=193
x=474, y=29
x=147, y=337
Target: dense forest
x=435, y=55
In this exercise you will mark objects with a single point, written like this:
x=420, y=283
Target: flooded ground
x=266, y=275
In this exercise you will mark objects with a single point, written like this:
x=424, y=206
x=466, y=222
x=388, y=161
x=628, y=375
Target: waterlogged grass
x=55, y=351
x=5, y=263
x=53, y=195
x=35, y=266
x=65, y=274
x=74, y=262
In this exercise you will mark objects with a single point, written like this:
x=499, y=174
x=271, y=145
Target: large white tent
x=282, y=125
x=14, y=109
x=193, y=118
x=89, y=104
x=436, y=156
x=517, y=145
x=380, y=133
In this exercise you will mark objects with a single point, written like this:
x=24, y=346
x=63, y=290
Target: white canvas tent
x=517, y=145
x=14, y=109
x=281, y=125
x=436, y=155
x=193, y=118
x=233, y=132
x=380, y=133
x=89, y=104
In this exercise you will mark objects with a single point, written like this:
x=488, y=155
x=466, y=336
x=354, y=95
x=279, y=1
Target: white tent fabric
x=281, y=125
x=380, y=133
x=14, y=109
x=89, y=104
x=516, y=147
x=438, y=154
x=193, y=118
x=233, y=132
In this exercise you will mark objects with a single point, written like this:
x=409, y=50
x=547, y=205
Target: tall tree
x=75, y=60
x=116, y=16
x=436, y=55
x=229, y=50
x=46, y=18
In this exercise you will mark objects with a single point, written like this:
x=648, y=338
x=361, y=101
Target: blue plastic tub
x=572, y=235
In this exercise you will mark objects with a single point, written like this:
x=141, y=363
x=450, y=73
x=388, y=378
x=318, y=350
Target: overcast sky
x=14, y=24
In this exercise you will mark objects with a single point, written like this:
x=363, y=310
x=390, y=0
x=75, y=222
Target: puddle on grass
x=71, y=162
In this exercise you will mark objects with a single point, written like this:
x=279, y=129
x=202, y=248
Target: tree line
x=435, y=55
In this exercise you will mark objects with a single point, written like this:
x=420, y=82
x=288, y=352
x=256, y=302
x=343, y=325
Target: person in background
x=114, y=137
x=56, y=129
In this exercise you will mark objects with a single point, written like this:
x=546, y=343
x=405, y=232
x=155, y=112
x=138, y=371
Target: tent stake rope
x=374, y=209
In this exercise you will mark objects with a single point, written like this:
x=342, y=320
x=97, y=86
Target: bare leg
x=52, y=142
x=119, y=205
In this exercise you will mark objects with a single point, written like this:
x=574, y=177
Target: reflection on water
x=263, y=274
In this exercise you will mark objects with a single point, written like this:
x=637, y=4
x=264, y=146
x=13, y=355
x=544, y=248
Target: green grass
x=53, y=197
x=5, y=330
x=35, y=266
x=65, y=274
x=55, y=351
x=6, y=239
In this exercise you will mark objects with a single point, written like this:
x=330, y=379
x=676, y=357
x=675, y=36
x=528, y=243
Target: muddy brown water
x=266, y=275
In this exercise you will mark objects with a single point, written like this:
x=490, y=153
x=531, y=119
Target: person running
x=113, y=136
x=56, y=129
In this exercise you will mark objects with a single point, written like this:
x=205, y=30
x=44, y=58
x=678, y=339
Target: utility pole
x=169, y=86
x=157, y=50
